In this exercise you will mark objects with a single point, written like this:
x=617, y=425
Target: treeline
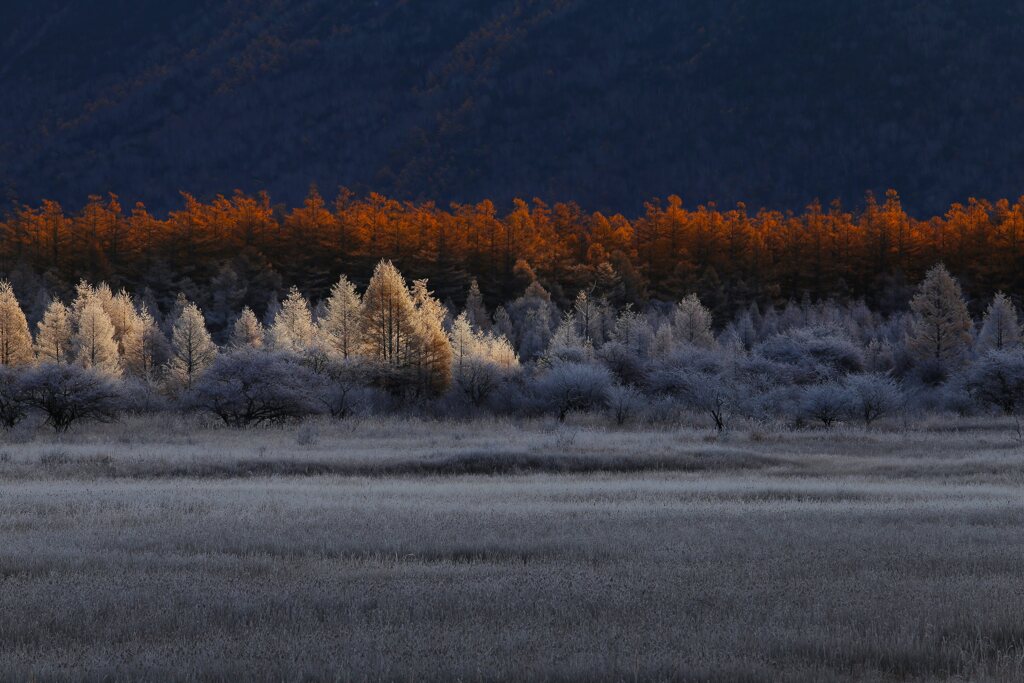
x=245, y=251
x=394, y=346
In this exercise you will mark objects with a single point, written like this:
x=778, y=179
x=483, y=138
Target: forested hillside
x=602, y=102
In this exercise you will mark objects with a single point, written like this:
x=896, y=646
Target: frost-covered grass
x=157, y=548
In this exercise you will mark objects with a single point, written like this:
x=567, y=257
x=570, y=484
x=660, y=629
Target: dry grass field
x=489, y=550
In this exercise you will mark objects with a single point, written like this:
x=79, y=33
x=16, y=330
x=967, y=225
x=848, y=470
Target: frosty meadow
x=386, y=548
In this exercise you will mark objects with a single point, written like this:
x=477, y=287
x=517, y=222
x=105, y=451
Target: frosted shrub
x=825, y=350
x=715, y=394
x=251, y=387
x=343, y=386
x=12, y=404
x=627, y=366
x=568, y=387
x=624, y=403
x=69, y=393
x=997, y=379
x=872, y=396
x=825, y=403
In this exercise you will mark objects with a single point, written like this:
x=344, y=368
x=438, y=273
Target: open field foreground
x=400, y=550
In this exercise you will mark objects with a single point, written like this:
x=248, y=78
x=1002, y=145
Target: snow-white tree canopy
x=340, y=325
x=54, y=334
x=293, y=328
x=15, y=338
x=95, y=348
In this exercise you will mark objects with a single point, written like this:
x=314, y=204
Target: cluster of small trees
x=396, y=346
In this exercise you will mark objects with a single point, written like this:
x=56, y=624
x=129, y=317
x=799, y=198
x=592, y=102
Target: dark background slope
x=600, y=101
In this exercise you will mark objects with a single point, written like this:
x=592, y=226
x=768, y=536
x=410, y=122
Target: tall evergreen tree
x=54, y=334
x=1000, y=329
x=387, y=317
x=340, y=324
x=432, y=352
x=691, y=323
x=941, y=331
x=145, y=348
x=293, y=328
x=247, y=332
x=15, y=338
x=476, y=311
x=94, y=343
x=192, y=349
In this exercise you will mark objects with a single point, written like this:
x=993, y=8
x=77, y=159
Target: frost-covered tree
x=533, y=318
x=587, y=316
x=432, y=354
x=54, y=334
x=293, y=329
x=942, y=326
x=84, y=292
x=120, y=308
x=387, y=317
x=1000, y=330
x=480, y=361
x=341, y=322
x=95, y=348
x=192, y=349
x=476, y=311
x=691, y=323
x=634, y=333
x=705, y=389
x=15, y=338
x=997, y=379
x=567, y=344
x=145, y=348
x=623, y=402
x=247, y=332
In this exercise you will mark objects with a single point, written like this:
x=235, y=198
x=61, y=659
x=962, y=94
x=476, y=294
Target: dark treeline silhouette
x=247, y=250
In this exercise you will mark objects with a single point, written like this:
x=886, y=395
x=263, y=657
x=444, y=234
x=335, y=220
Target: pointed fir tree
x=247, y=332
x=432, y=352
x=387, y=317
x=192, y=349
x=122, y=313
x=95, y=348
x=54, y=334
x=340, y=324
x=15, y=338
x=476, y=311
x=293, y=328
x=1000, y=329
x=145, y=348
x=691, y=323
x=941, y=330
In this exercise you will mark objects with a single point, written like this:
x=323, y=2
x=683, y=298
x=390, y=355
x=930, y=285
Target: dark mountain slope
x=601, y=101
